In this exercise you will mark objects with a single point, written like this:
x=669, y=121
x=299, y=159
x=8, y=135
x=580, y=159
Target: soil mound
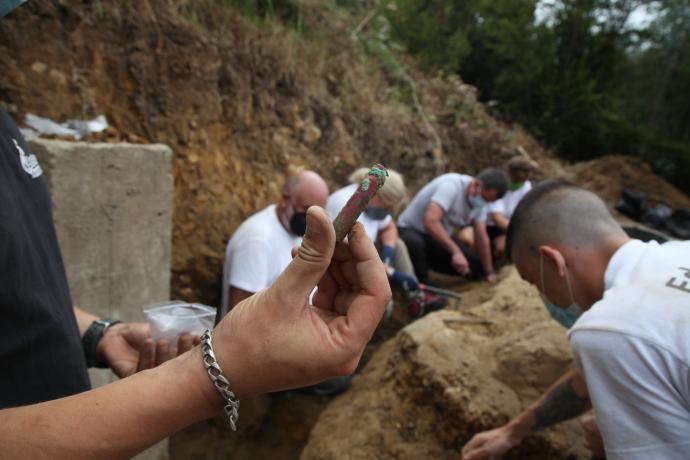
x=447, y=376
x=609, y=175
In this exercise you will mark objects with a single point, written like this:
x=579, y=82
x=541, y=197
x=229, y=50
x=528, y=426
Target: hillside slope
x=240, y=104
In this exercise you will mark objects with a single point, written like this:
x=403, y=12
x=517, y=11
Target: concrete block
x=112, y=207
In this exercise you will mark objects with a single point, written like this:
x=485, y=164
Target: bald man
x=627, y=307
x=261, y=247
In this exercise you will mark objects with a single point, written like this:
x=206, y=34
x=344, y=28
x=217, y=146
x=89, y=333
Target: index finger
x=364, y=316
x=146, y=355
x=185, y=343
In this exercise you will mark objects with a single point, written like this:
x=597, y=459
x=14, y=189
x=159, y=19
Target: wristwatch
x=92, y=336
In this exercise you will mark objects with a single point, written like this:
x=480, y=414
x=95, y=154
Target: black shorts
x=494, y=232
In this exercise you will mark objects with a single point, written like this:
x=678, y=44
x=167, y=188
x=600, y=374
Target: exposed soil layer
x=240, y=105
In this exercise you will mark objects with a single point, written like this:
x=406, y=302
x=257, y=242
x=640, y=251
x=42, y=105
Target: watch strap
x=91, y=338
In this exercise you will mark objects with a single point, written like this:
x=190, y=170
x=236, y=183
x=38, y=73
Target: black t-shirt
x=41, y=357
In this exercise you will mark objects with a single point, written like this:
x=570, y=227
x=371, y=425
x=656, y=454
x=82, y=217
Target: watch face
x=106, y=322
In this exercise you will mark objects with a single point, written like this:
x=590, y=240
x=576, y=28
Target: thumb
x=313, y=256
x=478, y=453
x=472, y=455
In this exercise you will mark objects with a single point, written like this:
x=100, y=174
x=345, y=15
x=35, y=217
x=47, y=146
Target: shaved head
x=306, y=188
x=559, y=213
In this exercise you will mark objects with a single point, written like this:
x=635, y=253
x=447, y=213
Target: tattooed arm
x=565, y=399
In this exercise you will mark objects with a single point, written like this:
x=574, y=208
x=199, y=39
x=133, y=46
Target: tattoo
x=562, y=403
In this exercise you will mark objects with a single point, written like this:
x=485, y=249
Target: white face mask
x=477, y=202
x=566, y=317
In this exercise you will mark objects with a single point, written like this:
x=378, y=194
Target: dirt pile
x=609, y=175
x=240, y=105
x=444, y=377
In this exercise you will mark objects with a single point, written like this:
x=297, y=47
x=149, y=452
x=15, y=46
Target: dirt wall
x=240, y=105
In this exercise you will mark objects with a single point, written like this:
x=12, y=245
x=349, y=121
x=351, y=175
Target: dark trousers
x=494, y=232
x=427, y=254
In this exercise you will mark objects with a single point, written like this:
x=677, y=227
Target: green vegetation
x=578, y=74
x=583, y=79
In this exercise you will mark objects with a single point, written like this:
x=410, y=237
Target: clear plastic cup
x=172, y=319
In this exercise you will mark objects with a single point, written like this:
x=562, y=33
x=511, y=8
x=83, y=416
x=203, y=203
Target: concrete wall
x=113, y=212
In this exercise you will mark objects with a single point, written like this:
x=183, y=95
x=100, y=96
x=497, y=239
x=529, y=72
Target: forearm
x=500, y=221
x=84, y=319
x=438, y=233
x=116, y=420
x=483, y=248
x=389, y=235
x=565, y=399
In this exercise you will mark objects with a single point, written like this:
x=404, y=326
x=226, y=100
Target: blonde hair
x=393, y=193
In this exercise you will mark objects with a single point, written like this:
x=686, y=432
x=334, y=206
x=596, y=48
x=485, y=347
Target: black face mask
x=298, y=223
x=376, y=213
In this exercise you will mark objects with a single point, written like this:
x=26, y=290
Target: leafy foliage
x=582, y=78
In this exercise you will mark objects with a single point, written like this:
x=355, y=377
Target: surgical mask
x=9, y=5
x=376, y=213
x=477, y=201
x=516, y=185
x=566, y=317
x=298, y=221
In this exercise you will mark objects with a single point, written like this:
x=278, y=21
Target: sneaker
x=422, y=303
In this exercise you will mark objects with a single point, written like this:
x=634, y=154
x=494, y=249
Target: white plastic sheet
x=71, y=128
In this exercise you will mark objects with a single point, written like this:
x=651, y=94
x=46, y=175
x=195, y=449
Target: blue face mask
x=477, y=201
x=9, y=5
x=566, y=317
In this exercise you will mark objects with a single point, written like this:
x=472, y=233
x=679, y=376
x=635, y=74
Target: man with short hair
x=439, y=209
x=631, y=344
x=261, y=247
x=499, y=212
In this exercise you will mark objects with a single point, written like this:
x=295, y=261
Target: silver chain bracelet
x=221, y=382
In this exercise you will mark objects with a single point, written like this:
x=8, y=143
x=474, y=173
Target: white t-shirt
x=448, y=191
x=506, y=205
x=337, y=201
x=257, y=253
x=633, y=347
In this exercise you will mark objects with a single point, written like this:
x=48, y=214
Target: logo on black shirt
x=29, y=162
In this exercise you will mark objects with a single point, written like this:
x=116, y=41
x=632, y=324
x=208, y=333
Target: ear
x=553, y=256
x=284, y=200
